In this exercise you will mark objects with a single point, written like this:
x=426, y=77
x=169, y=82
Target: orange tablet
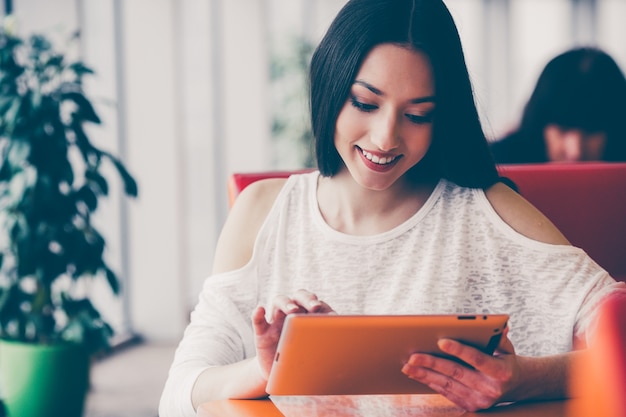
x=321, y=354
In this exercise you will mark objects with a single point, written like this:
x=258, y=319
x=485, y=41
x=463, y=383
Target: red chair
x=586, y=201
x=240, y=180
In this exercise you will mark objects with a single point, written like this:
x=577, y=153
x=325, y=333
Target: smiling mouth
x=379, y=160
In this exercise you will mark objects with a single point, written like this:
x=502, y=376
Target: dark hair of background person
x=459, y=150
x=582, y=88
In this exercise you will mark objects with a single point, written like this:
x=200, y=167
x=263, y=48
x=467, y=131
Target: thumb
x=505, y=346
x=258, y=320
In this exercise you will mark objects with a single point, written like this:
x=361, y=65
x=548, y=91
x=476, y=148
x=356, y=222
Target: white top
x=455, y=255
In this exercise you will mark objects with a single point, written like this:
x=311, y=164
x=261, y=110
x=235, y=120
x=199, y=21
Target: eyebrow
x=378, y=92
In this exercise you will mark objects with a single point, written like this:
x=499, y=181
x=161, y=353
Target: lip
x=377, y=167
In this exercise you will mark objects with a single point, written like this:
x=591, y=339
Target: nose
x=573, y=145
x=385, y=131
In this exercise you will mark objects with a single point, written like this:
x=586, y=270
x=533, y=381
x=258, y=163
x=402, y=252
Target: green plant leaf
x=80, y=69
x=74, y=307
x=10, y=116
x=85, y=110
x=130, y=185
x=40, y=44
x=88, y=246
x=18, y=153
x=91, y=155
x=86, y=195
x=6, y=101
x=12, y=313
x=101, y=184
x=114, y=283
x=55, y=61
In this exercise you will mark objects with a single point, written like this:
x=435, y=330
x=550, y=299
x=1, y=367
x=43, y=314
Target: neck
x=353, y=209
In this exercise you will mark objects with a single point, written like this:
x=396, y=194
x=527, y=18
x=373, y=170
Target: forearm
x=543, y=378
x=240, y=380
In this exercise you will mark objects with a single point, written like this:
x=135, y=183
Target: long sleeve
x=219, y=333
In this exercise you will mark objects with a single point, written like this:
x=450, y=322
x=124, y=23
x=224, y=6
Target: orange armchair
x=586, y=201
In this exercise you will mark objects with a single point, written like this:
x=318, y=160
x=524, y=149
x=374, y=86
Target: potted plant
x=51, y=180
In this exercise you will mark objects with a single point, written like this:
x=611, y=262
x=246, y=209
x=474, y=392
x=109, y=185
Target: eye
x=364, y=107
x=420, y=119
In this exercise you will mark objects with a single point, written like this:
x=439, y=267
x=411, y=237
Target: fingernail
x=443, y=344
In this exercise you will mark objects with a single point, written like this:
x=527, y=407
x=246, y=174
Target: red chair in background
x=586, y=201
x=240, y=180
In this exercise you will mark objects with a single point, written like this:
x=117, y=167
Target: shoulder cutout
x=522, y=216
x=236, y=241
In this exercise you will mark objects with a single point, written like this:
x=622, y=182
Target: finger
x=469, y=400
x=505, y=346
x=482, y=362
x=259, y=322
x=458, y=383
x=325, y=308
x=266, y=332
x=308, y=300
x=429, y=368
x=311, y=303
x=285, y=305
x=441, y=375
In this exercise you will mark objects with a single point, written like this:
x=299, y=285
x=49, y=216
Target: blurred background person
x=577, y=112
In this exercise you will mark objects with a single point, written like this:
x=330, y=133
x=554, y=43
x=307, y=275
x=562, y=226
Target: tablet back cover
x=351, y=355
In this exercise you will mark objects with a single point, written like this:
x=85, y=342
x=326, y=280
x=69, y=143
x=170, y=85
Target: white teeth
x=375, y=159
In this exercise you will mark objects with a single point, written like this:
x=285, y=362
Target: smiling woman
x=405, y=215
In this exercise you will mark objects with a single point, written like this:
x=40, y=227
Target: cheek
x=420, y=140
x=349, y=126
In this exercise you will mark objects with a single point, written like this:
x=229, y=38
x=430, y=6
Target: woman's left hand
x=492, y=378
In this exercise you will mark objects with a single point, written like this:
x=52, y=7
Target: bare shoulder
x=236, y=241
x=522, y=216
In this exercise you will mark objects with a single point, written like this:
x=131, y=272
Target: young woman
x=405, y=216
x=575, y=113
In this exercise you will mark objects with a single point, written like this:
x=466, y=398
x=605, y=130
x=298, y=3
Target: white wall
x=196, y=112
x=154, y=152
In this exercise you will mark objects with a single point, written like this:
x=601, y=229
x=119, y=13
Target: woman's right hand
x=267, y=333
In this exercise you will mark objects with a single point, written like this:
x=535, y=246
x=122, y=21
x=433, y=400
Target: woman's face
x=385, y=126
x=572, y=145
